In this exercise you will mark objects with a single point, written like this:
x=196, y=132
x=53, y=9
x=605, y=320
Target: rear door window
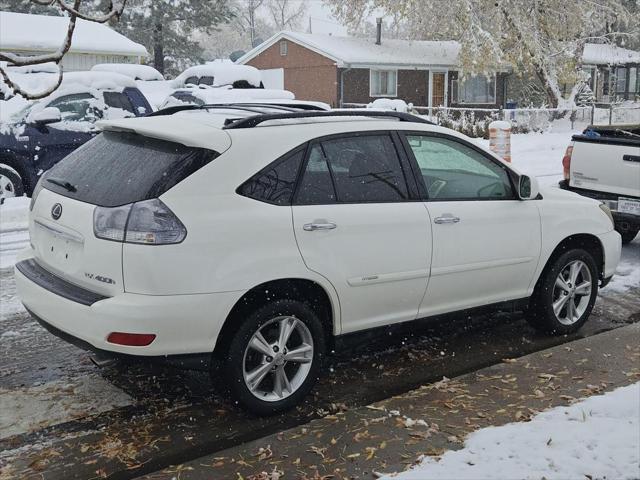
x=276, y=183
x=358, y=169
x=116, y=168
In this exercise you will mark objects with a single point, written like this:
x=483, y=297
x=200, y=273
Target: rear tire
x=10, y=183
x=565, y=294
x=267, y=373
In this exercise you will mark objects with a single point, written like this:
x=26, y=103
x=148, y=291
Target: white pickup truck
x=604, y=163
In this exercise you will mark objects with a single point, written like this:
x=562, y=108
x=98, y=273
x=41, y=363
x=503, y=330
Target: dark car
x=44, y=132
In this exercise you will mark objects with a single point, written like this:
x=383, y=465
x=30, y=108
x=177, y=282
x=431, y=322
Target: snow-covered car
x=43, y=132
x=220, y=74
x=134, y=71
x=148, y=80
x=254, y=239
x=604, y=163
x=226, y=95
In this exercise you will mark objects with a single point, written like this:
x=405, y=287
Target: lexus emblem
x=56, y=211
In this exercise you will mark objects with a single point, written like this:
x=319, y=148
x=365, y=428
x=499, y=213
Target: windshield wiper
x=62, y=183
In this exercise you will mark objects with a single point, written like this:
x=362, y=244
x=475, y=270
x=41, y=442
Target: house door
x=438, y=89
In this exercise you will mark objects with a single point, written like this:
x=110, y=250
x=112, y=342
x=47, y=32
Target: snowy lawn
x=596, y=438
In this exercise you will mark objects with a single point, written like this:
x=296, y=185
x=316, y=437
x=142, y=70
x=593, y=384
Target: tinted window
x=276, y=183
x=191, y=80
x=118, y=168
x=118, y=100
x=206, y=80
x=78, y=107
x=316, y=186
x=452, y=170
x=365, y=169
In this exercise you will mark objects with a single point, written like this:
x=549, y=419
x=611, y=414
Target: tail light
x=566, y=162
x=149, y=223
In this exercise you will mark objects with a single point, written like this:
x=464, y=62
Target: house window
x=477, y=89
x=383, y=83
x=284, y=48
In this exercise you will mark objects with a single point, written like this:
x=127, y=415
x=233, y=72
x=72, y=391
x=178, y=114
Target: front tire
x=565, y=294
x=274, y=357
x=10, y=183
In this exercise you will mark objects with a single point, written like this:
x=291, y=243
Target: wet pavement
x=132, y=419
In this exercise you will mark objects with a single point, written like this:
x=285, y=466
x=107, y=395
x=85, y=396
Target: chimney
x=378, y=31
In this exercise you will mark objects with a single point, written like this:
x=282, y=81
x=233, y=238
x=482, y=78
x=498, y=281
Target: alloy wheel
x=572, y=292
x=277, y=359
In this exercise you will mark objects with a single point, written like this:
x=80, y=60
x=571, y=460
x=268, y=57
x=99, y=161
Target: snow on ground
x=628, y=272
x=595, y=438
x=34, y=408
x=13, y=230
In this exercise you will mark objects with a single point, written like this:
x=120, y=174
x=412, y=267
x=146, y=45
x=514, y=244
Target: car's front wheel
x=565, y=294
x=10, y=183
x=274, y=357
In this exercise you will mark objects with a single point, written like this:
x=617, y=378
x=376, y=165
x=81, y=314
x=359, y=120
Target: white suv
x=255, y=236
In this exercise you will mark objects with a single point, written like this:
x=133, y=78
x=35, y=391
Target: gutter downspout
x=342, y=72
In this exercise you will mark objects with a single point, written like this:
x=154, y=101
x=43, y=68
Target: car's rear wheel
x=274, y=357
x=565, y=294
x=10, y=183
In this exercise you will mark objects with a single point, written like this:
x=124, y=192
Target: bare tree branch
x=73, y=11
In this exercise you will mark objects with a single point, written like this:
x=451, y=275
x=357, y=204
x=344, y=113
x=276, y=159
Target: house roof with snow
x=363, y=52
x=605, y=54
x=21, y=32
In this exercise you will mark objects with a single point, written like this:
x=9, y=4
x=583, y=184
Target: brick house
x=342, y=70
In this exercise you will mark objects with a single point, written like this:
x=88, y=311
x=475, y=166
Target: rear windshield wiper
x=62, y=183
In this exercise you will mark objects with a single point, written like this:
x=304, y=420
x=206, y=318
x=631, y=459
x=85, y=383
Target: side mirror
x=527, y=187
x=47, y=115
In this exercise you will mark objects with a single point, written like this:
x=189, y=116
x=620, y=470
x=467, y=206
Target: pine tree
x=167, y=28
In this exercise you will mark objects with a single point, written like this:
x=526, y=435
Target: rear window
x=117, y=168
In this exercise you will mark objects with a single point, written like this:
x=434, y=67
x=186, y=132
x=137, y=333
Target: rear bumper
x=183, y=324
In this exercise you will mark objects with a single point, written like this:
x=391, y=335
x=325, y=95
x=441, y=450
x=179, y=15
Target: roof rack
x=249, y=107
x=254, y=120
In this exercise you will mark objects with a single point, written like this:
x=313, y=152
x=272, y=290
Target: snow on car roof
x=131, y=70
x=225, y=95
x=222, y=73
x=97, y=80
x=21, y=31
x=364, y=51
x=604, y=54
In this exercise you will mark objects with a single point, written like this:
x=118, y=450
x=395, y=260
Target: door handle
x=311, y=227
x=446, y=218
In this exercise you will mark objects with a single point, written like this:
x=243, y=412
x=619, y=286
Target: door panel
x=489, y=255
x=377, y=258
x=356, y=225
x=486, y=243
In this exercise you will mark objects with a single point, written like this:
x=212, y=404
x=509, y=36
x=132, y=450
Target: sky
x=321, y=19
